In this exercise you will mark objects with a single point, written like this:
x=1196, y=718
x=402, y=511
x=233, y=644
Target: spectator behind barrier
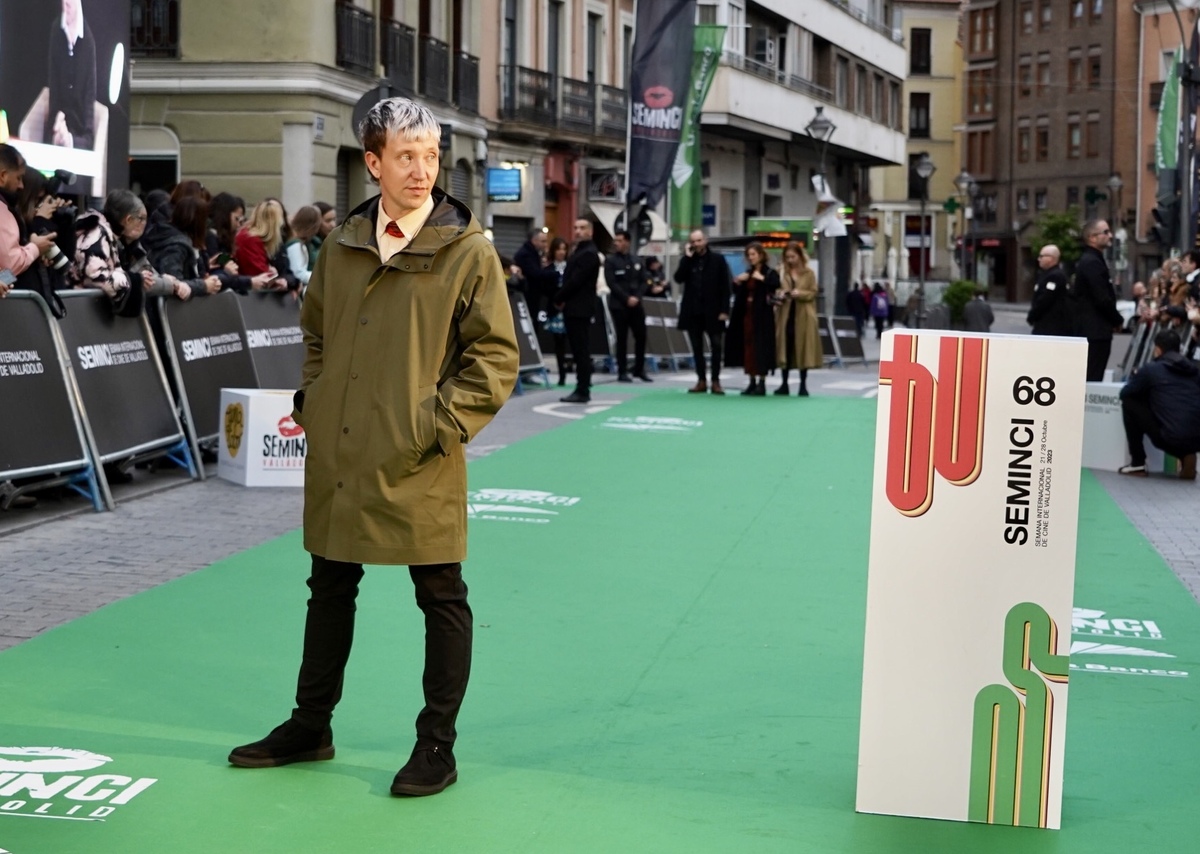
x=329, y=222
x=305, y=226
x=260, y=240
x=226, y=214
x=19, y=249
x=175, y=247
x=109, y=255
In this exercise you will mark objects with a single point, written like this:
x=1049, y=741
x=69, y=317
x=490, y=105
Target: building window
x=1074, y=70
x=1074, y=136
x=1093, y=135
x=979, y=93
x=1043, y=74
x=706, y=13
x=918, y=115
x=920, y=47
x=1024, y=143
x=1025, y=76
x=1097, y=10
x=979, y=152
x=1041, y=139
x=841, y=82
x=894, y=118
x=1039, y=200
x=1022, y=201
x=982, y=31
x=1094, y=67
x=1072, y=197
x=1047, y=17
x=860, y=90
x=877, y=108
x=1027, y=16
x=1076, y=12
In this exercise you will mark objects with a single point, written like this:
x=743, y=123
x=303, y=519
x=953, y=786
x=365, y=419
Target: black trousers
x=579, y=340
x=329, y=632
x=1141, y=424
x=631, y=320
x=1097, y=358
x=715, y=342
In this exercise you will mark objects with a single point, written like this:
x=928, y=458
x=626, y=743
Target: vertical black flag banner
x=658, y=90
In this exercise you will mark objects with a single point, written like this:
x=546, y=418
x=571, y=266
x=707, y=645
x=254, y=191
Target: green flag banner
x=686, y=190
x=1166, y=146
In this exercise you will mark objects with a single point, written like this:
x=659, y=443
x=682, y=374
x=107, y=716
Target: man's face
x=540, y=241
x=1046, y=260
x=583, y=230
x=620, y=244
x=1139, y=290
x=12, y=180
x=406, y=170
x=1188, y=266
x=1101, y=238
x=698, y=242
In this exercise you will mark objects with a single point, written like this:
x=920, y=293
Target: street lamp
x=963, y=184
x=1114, y=187
x=925, y=170
x=821, y=130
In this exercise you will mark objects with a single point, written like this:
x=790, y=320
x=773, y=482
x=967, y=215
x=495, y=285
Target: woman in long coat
x=797, y=339
x=750, y=341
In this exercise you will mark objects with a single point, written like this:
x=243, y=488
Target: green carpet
x=670, y=663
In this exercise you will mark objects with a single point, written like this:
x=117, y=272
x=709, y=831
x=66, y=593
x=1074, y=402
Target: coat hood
x=163, y=234
x=449, y=221
x=1176, y=363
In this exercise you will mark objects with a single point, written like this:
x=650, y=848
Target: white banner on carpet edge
x=974, y=519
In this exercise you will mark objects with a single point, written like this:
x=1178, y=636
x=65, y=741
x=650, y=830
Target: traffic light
x=1166, y=224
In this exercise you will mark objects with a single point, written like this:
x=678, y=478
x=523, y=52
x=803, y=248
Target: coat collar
x=450, y=220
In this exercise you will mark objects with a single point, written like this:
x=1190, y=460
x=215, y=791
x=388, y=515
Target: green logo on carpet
x=1010, y=745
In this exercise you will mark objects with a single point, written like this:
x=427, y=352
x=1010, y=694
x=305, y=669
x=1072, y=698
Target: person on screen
x=71, y=117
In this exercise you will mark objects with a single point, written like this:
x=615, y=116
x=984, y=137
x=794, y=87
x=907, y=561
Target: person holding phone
x=704, y=308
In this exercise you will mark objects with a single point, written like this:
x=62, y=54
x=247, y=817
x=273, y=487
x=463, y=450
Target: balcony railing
x=881, y=27
x=154, y=29
x=466, y=83
x=355, y=39
x=527, y=95
x=400, y=57
x=614, y=112
x=435, y=69
x=577, y=105
x=768, y=72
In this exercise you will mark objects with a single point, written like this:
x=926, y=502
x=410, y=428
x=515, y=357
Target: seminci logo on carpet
x=516, y=505
x=651, y=424
x=1087, y=625
x=54, y=783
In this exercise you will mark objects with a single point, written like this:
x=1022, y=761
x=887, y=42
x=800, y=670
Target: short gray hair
x=120, y=204
x=401, y=116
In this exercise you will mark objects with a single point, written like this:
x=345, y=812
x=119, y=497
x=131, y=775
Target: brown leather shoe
x=698, y=388
x=1187, y=467
x=716, y=389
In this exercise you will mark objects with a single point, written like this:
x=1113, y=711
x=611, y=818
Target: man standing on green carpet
x=410, y=352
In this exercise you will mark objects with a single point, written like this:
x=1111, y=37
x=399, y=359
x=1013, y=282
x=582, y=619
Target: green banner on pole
x=1166, y=146
x=687, y=194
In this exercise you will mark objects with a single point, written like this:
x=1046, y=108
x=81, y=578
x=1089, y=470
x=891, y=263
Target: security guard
x=627, y=287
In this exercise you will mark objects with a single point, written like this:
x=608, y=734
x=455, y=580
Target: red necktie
x=394, y=230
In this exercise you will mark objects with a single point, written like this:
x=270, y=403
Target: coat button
x=339, y=484
x=354, y=375
x=363, y=321
x=345, y=429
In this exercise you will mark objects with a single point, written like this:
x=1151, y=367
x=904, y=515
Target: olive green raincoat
x=406, y=362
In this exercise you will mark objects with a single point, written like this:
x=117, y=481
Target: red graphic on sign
x=658, y=97
x=933, y=424
x=289, y=428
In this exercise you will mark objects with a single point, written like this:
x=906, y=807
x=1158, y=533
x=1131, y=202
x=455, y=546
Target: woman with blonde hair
x=797, y=339
x=259, y=239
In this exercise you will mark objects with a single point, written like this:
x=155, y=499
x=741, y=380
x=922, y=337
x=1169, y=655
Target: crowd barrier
x=44, y=439
x=530, y=349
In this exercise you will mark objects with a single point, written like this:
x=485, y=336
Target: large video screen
x=64, y=88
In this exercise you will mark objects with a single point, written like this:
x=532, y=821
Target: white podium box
x=974, y=518
x=260, y=443
x=1104, y=445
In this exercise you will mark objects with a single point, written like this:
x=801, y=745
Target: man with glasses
x=1094, y=302
x=1049, y=313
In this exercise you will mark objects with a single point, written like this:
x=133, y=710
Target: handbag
x=555, y=325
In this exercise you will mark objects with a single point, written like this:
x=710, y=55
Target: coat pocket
x=426, y=426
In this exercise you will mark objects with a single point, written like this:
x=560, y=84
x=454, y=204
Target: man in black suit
x=1049, y=313
x=576, y=299
x=1094, y=302
x=626, y=289
x=540, y=279
x=704, y=309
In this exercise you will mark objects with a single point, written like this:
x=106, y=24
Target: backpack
x=879, y=305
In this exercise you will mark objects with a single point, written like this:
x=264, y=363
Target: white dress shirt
x=410, y=224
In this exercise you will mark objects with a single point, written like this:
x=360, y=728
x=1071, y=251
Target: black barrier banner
x=272, y=323
x=658, y=344
x=599, y=336
x=828, y=349
x=38, y=427
x=850, y=346
x=210, y=352
x=527, y=336
x=117, y=372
